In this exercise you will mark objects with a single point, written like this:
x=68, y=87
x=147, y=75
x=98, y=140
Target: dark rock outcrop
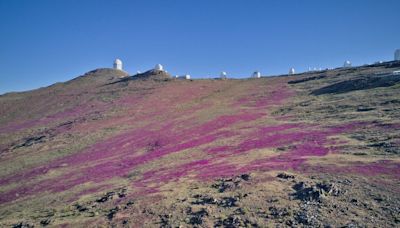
x=367, y=82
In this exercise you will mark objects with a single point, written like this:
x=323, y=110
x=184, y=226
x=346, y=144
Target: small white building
x=292, y=71
x=347, y=63
x=117, y=64
x=159, y=67
x=186, y=76
x=256, y=74
x=223, y=75
x=397, y=55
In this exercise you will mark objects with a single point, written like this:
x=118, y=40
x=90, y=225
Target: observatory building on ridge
x=223, y=75
x=347, y=63
x=397, y=55
x=186, y=76
x=256, y=74
x=117, y=64
x=159, y=67
x=292, y=71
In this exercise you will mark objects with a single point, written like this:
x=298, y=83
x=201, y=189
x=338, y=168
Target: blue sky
x=43, y=42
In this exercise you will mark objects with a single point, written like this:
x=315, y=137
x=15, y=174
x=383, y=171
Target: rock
x=106, y=197
x=30, y=141
x=378, y=199
x=23, y=225
x=308, y=216
x=197, y=217
x=228, y=202
x=153, y=75
x=285, y=176
x=224, y=185
x=303, y=218
x=122, y=192
x=330, y=189
x=366, y=82
x=231, y=183
x=112, y=212
x=245, y=177
x=130, y=203
x=276, y=212
x=164, y=220
x=45, y=222
x=202, y=200
x=388, y=147
x=80, y=208
x=315, y=192
x=364, y=109
x=195, y=221
x=234, y=221
x=306, y=79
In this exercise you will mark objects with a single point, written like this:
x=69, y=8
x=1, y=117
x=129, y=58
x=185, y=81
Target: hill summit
x=154, y=74
x=106, y=72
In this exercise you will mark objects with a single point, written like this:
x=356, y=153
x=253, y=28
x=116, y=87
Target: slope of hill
x=314, y=149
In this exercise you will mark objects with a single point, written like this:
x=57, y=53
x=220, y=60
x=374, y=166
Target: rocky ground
x=319, y=149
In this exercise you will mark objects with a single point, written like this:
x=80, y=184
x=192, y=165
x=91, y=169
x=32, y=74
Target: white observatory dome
x=397, y=55
x=347, y=63
x=256, y=74
x=118, y=64
x=223, y=75
x=292, y=71
x=159, y=67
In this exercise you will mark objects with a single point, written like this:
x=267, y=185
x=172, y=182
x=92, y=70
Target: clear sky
x=43, y=42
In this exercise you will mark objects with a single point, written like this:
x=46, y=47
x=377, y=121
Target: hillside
x=104, y=149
